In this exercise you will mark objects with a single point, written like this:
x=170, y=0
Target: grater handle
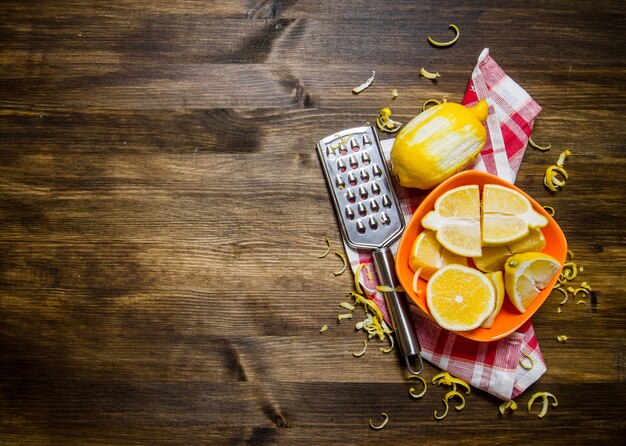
x=396, y=304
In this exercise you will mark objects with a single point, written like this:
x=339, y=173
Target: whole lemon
x=438, y=143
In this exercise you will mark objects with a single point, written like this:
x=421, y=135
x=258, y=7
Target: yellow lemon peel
x=383, y=424
x=562, y=157
x=364, y=85
x=327, y=249
x=362, y=352
x=550, y=180
x=385, y=123
x=391, y=345
x=544, y=397
x=434, y=102
x=561, y=338
x=341, y=317
x=345, y=263
x=324, y=328
x=581, y=302
x=394, y=94
x=412, y=389
x=569, y=271
x=534, y=145
x=389, y=289
x=442, y=416
x=428, y=75
x=448, y=380
x=526, y=356
x=564, y=293
x=360, y=299
x=448, y=43
x=507, y=406
x=347, y=306
x=451, y=394
x=583, y=290
x=550, y=210
x=357, y=274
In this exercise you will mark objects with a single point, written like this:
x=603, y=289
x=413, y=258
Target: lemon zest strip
x=507, y=405
x=544, y=396
x=450, y=42
x=412, y=389
x=550, y=210
x=441, y=417
x=345, y=263
x=391, y=344
x=534, y=145
x=385, y=123
x=526, y=356
x=389, y=289
x=452, y=394
x=430, y=101
x=562, y=157
x=569, y=271
x=394, y=94
x=359, y=298
x=362, y=352
x=442, y=377
x=561, y=338
x=327, y=250
x=383, y=424
x=446, y=379
x=581, y=302
x=461, y=383
x=428, y=75
x=341, y=317
x=357, y=285
x=364, y=85
x=324, y=328
x=434, y=101
x=347, y=306
x=564, y=293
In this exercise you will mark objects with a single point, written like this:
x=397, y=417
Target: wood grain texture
x=162, y=209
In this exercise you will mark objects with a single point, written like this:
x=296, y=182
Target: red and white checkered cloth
x=491, y=366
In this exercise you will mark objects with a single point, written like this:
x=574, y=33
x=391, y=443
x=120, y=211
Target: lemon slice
x=497, y=281
x=460, y=298
x=494, y=257
x=525, y=275
x=507, y=216
x=456, y=219
x=428, y=254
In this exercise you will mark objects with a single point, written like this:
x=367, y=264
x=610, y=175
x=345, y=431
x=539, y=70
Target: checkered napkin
x=491, y=366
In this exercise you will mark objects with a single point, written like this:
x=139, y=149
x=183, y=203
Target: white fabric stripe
x=445, y=356
x=503, y=169
x=477, y=376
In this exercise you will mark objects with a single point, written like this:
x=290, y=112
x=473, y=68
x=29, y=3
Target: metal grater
x=369, y=215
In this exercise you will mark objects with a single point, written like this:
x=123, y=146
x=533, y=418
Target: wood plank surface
x=162, y=209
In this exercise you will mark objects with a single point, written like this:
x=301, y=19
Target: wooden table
x=162, y=208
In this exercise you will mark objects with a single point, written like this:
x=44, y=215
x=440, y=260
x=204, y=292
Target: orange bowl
x=509, y=319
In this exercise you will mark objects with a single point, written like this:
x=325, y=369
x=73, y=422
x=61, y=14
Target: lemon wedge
x=525, y=275
x=428, y=254
x=456, y=219
x=507, y=216
x=494, y=257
